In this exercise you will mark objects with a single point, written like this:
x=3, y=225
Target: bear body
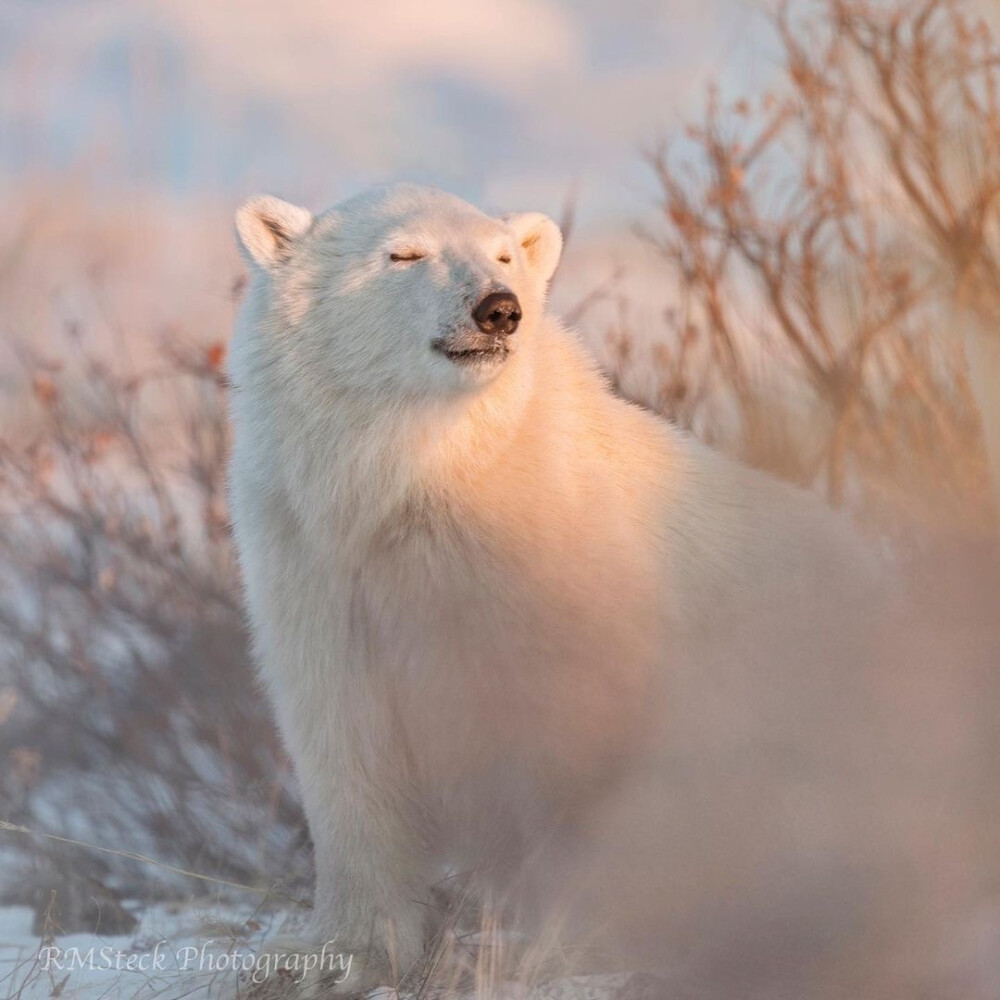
x=479, y=583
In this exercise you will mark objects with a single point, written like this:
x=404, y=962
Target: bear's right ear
x=540, y=239
x=267, y=227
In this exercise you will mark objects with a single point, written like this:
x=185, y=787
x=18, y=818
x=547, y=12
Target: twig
x=145, y=859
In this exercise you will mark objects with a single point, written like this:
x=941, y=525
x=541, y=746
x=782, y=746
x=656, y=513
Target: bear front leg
x=372, y=893
x=373, y=881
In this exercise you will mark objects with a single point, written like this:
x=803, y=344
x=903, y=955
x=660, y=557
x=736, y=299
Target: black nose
x=498, y=313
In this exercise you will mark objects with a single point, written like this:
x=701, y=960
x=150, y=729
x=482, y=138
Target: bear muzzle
x=496, y=316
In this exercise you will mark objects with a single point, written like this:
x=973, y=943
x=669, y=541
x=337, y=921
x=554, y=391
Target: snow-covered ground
x=202, y=951
x=176, y=951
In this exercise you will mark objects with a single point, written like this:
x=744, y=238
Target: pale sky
x=507, y=102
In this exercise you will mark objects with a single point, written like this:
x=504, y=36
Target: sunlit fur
x=471, y=591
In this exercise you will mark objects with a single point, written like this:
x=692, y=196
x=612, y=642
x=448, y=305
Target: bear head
x=404, y=291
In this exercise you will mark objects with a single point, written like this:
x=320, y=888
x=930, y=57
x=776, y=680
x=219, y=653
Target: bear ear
x=540, y=240
x=266, y=228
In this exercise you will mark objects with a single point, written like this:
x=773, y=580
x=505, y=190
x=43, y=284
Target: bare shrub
x=131, y=715
x=829, y=237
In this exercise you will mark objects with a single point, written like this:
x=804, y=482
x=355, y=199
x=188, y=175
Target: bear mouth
x=469, y=351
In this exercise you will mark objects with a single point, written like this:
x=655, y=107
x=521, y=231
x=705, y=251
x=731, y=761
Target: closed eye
x=504, y=258
x=402, y=256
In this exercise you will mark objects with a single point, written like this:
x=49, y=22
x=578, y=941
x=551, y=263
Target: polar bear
x=481, y=585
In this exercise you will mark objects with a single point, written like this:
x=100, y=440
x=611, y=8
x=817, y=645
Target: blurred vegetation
x=834, y=240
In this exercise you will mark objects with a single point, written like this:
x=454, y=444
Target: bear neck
x=488, y=450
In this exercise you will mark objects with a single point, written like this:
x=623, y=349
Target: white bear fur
x=470, y=591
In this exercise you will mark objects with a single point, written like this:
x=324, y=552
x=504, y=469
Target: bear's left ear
x=540, y=240
x=267, y=227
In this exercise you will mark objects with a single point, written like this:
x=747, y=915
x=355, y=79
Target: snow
x=194, y=952
x=176, y=951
